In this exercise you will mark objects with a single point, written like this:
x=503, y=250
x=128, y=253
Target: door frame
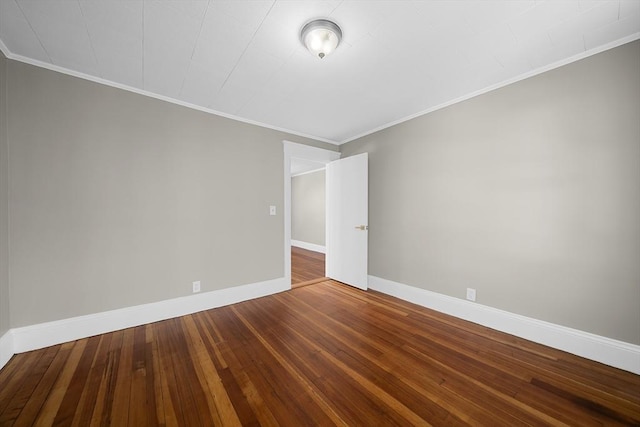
x=305, y=152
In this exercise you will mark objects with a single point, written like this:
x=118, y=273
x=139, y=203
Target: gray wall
x=4, y=202
x=308, y=208
x=530, y=194
x=117, y=199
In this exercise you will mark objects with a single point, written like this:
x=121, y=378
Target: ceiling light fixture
x=321, y=37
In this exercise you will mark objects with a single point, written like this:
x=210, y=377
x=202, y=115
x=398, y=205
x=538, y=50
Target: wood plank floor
x=306, y=266
x=324, y=354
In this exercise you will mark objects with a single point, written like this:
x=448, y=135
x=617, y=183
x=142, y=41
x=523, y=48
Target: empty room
x=339, y=212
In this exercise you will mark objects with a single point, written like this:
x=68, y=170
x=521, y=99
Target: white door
x=347, y=194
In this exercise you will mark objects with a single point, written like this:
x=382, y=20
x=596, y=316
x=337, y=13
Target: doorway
x=308, y=222
x=309, y=261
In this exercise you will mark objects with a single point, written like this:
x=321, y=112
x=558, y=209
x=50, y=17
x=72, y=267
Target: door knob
x=362, y=227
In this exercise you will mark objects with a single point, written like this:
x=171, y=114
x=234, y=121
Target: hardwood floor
x=324, y=354
x=306, y=266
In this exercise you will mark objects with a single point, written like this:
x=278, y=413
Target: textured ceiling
x=244, y=58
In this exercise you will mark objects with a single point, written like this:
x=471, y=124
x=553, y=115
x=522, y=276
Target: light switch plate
x=272, y=210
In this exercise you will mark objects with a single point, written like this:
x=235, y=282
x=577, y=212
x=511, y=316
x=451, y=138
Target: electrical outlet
x=196, y=286
x=471, y=294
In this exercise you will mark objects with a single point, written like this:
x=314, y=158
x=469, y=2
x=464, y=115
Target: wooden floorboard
x=322, y=354
x=309, y=282
x=306, y=265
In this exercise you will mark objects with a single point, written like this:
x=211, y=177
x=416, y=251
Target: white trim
x=308, y=152
x=524, y=76
x=42, y=335
x=298, y=151
x=540, y=70
x=6, y=348
x=308, y=246
x=611, y=352
x=143, y=92
x=308, y=172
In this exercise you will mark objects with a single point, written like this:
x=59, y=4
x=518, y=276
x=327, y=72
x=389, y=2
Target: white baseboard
x=611, y=352
x=308, y=246
x=33, y=337
x=605, y=350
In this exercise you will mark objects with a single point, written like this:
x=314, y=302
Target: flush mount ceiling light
x=321, y=37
